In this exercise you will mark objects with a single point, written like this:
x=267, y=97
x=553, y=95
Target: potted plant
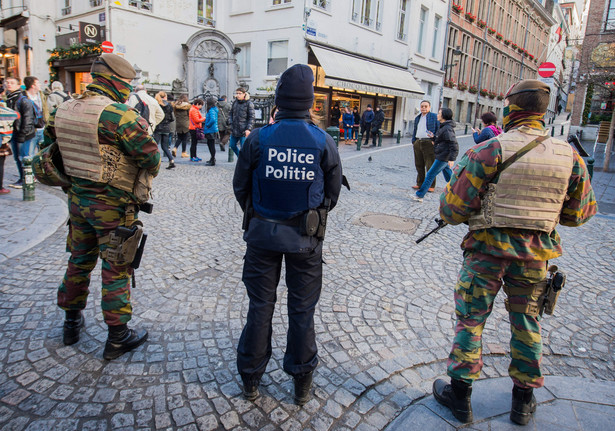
x=484, y=92
x=520, y=49
x=481, y=24
x=491, y=31
x=462, y=86
x=501, y=96
x=499, y=36
x=457, y=8
x=449, y=83
x=470, y=17
x=506, y=42
x=473, y=89
x=492, y=94
x=513, y=45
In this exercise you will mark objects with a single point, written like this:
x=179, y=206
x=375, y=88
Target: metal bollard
x=398, y=136
x=552, y=131
x=562, y=132
x=359, y=142
x=230, y=154
x=466, y=131
x=380, y=138
x=590, y=167
x=28, y=182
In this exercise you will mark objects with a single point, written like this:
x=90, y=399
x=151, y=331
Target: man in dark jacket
x=241, y=118
x=425, y=126
x=446, y=150
x=24, y=128
x=224, y=109
x=366, y=122
x=285, y=171
x=376, y=125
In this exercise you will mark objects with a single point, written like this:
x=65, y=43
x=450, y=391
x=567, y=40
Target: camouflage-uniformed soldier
x=511, y=237
x=106, y=150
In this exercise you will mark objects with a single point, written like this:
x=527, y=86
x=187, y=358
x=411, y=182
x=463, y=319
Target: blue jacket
x=348, y=120
x=286, y=168
x=432, y=124
x=367, y=118
x=484, y=135
x=211, y=121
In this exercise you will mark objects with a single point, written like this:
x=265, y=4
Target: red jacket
x=196, y=119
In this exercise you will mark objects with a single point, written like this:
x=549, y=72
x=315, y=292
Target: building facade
x=362, y=51
x=491, y=44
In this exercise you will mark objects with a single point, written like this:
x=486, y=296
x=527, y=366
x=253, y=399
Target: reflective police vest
x=288, y=180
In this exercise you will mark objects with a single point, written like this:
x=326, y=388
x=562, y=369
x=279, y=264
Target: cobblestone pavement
x=384, y=322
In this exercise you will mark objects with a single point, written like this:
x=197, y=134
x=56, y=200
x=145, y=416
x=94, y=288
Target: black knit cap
x=295, y=90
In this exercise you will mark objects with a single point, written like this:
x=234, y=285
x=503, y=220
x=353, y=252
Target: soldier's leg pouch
x=123, y=244
x=534, y=294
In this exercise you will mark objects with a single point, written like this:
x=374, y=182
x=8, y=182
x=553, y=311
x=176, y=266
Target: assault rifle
x=574, y=140
x=441, y=223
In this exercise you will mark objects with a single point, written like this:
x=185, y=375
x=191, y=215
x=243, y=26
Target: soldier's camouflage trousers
x=90, y=220
x=480, y=279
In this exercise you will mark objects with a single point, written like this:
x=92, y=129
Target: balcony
x=96, y=3
x=66, y=11
x=141, y=4
x=209, y=22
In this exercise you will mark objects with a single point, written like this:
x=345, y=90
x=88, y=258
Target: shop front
x=343, y=80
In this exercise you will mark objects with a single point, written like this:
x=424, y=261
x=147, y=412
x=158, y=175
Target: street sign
x=107, y=47
x=89, y=33
x=546, y=69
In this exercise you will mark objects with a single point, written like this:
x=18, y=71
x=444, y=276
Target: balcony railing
x=66, y=11
x=96, y=3
x=205, y=21
x=141, y=4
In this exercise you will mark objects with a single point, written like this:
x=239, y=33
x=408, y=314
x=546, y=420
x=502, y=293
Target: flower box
x=500, y=96
x=470, y=17
x=499, y=36
x=484, y=92
x=462, y=86
x=457, y=8
x=514, y=46
x=491, y=30
x=507, y=42
x=473, y=89
x=449, y=83
x=492, y=94
x=520, y=50
x=481, y=24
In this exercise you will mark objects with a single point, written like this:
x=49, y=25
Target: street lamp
x=455, y=52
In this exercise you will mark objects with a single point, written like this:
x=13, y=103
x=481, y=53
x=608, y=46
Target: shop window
x=421, y=40
x=436, y=35
x=277, y=57
x=141, y=4
x=96, y=3
x=243, y=60
x=609, y=24
x=205, y=13
x=368, y=13
x=402, y=27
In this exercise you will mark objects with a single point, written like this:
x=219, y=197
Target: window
x=243, y=60
x=436, y=35
x=277, y=2
x=322, y=4
x=66, y=10
x=610, y=17
x=141, y=4
x=368, y=13
x=95, y=3
x=277, y=57
x=205, y=12
x=402, y=27
x=421, y=40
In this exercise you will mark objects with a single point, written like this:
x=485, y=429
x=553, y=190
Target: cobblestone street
x=384, y=323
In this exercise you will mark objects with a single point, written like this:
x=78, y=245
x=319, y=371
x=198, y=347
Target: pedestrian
x=147, y=107
x=376, y=125
x=57, y=96
x=182, y=124
x=7, y=118
x=425, y=127
x=490, y=128
x=224, y=108
x=111, y=160
x=210, y=129
x=511, y=211
x=356, y=124
x=335, y=115
x=196, y=127
x=366, y=123
x=162, y=132
x=23, y=140
x=39, y=99
x=288, y=176
x=241, y=119
x=348, y=122
x=446, y=150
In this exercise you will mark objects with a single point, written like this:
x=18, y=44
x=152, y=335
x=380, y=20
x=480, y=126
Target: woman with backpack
x=162, y=133
x=210, y=128
x=491, y=129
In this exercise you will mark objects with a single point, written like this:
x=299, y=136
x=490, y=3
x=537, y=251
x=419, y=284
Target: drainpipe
x=480, y=69
x=108, y=19
x=448, y=24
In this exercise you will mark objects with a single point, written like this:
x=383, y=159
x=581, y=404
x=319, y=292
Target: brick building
x=490, y=45
x=597, y=64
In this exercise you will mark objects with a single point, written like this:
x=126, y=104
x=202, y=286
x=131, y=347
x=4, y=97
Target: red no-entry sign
x=546, y=70
x=107, y=46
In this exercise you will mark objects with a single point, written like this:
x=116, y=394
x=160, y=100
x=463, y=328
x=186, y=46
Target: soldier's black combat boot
x=122, y=340
x=456, y=396
x=523, y=405
x=303, y=384
x=73, y=322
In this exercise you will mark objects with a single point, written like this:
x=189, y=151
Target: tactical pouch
x=143, y=186
x=310, y=223
x=534, y=303
x=322, y=225
x=123, y=244
x=555, y=282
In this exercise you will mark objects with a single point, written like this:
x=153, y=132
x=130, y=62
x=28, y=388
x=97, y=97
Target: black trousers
x=261, y=275
x=211, y=145
x=193, y=143
x=2, y=158
x=182, y=138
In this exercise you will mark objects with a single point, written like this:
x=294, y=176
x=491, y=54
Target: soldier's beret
x=528, y=85
x=113, y=64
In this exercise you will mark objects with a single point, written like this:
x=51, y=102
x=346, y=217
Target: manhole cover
x=389, y=222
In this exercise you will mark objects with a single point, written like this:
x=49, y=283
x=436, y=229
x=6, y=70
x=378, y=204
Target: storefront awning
x=346, y=71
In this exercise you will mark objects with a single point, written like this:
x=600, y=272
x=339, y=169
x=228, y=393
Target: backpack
x=64, y=98
x=143, y=109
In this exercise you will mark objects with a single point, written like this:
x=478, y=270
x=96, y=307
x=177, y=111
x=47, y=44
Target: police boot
x=523, y=405
x=73, y=322
x=122, y=340
x=303, y=384
x=456, y=397
x=211, y=162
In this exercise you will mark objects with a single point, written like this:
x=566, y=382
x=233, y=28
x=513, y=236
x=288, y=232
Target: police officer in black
x=284, y=173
